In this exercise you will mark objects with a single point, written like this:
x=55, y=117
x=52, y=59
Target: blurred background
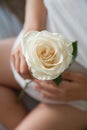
x=11, y=17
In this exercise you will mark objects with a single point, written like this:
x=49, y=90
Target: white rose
x=47, y=54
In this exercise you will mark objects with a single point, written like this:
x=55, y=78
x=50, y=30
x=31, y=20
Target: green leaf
x=58, y=80
x=74, y=53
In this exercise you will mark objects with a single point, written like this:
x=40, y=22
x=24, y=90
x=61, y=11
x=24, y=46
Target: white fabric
x=67, y=17
x=35, y=94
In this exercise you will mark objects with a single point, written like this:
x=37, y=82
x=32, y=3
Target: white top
x=67, y=17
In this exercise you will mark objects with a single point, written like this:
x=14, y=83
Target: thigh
x=54, y=117
x=6, y=75
x=11, y=112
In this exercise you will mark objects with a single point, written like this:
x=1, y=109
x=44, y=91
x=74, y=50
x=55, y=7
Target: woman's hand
x=73, y=87
x=20, y=63
x=33, y=21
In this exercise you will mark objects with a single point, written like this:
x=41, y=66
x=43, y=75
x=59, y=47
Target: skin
x=8, y=85
x=53, y=116
x=73, y=83
x=35, y=19
x=9, y=108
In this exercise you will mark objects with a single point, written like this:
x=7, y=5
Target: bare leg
x=6, y=76
x=54, y=117
x=11, y=112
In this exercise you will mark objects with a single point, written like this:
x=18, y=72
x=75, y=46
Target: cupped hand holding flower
x=19, y=63
x=72, y=88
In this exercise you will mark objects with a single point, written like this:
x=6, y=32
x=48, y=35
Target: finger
x=37, y=87
x=66, y=87
x=44, y=86
x=24, y=68
x=63, y=93
x=49, y=82
x=68, y=90
x=13, y=59
x=47, y=95
x=72, y=76
x=17, y=62
x=55, y=97
x=65, y=84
